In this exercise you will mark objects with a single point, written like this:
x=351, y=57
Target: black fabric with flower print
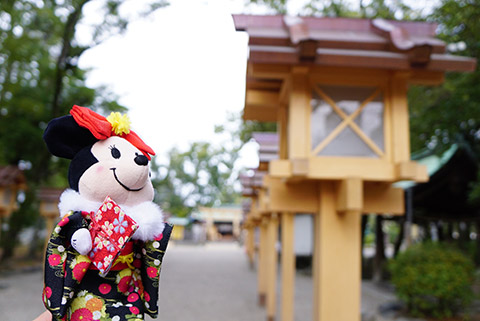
x=152, y=259
x=60, y=283
x=74, y=290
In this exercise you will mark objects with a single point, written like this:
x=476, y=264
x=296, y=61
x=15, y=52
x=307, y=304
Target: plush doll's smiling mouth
x=123, y=185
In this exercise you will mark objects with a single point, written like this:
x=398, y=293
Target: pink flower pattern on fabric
x=82, y=315
x=54, y=259
x=111, y=229
x=104, y=288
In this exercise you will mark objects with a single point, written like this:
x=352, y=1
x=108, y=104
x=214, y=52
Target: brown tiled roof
x=268, y=150
x=397, y=45
x=268, y=146
x=49, y=194
x=251, y=182
x=11, y=175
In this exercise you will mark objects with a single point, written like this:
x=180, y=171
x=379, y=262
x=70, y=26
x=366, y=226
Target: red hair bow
x=101, y=128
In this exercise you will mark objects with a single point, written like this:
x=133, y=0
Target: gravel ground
x=198, y=283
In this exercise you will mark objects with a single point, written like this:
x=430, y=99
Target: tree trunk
x=379, y=250
x=62, y=60
x=400, y=237
x=10, y=237
x=37, y=243
x=441, y=232
x=450, y=230
x=17, y=221
x=477, y=249
x=364, y=226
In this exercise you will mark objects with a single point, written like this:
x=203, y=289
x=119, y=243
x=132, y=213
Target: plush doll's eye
x=115, y=152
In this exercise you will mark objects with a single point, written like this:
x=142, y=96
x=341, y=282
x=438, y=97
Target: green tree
x=446, y=114
x=343, y=8
x=332, y=8
x=440, y=114
x=40, y=80
x=203, y=175
x=236, y=127
x=278, y=6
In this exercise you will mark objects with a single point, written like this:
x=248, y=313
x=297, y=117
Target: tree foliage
x=206, y=174
x=446, y=114
x=203, y=175
x=40, y=80
x=278, y=6
x=433, y=279
x=344, y=8
x=440, y=114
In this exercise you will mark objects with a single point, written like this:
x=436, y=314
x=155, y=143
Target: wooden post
x=272, y=261
x=250, y=244
x=50, y=224
x=282, y=125
x=399, y=111
x=262, y=273
x=316, y=266
x=288, y=267
x=298, y=139
x=337, y=257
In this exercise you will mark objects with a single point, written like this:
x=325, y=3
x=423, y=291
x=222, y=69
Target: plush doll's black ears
x=65, y=138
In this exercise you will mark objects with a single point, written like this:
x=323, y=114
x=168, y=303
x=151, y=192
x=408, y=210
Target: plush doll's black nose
x=141, y=160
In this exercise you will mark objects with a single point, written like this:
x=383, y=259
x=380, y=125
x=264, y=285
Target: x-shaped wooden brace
x=348, y=120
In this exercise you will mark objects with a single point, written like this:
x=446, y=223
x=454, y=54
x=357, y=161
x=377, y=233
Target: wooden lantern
x=12, y=180
x=8, y=200
x=258, y=217
x=49, y=198
x=337, y=89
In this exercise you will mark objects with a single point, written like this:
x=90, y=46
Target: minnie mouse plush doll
x=108, y=175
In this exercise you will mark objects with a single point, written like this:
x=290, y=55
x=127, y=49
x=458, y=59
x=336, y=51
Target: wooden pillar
x=272, y=262
x=237, y=230
x=337, y=257
x=282, y=129
x=250, y=244
x=50, y=224
x=262, y=272
x=400, y=125
x=299, y=110
x=288, y=267
x=316, y=267
x=210, y=227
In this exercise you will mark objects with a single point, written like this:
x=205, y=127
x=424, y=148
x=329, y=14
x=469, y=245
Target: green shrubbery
x=433, y=279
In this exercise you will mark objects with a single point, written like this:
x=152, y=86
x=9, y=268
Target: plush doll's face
x=122, y=172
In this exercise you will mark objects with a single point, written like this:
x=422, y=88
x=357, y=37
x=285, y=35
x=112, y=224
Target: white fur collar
x=148, y=215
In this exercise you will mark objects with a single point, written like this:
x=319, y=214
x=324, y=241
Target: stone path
x=198, y=283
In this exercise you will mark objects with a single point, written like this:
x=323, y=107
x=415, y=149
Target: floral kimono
x=74, y=289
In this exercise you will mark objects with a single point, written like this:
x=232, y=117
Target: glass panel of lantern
x=50, y=207
x=331, y=105
x=7, y=196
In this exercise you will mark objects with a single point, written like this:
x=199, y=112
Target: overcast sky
x=180, y=71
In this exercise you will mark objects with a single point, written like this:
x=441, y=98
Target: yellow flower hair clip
x=120, y=123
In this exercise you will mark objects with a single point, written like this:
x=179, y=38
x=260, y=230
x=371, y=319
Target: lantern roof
x=11, y=175
x=346, y=42
x=251, y=182
x=268, y=150
x=268, y=146
x=50, y=194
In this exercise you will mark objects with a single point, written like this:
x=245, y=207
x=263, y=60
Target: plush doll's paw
x=81, y=241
